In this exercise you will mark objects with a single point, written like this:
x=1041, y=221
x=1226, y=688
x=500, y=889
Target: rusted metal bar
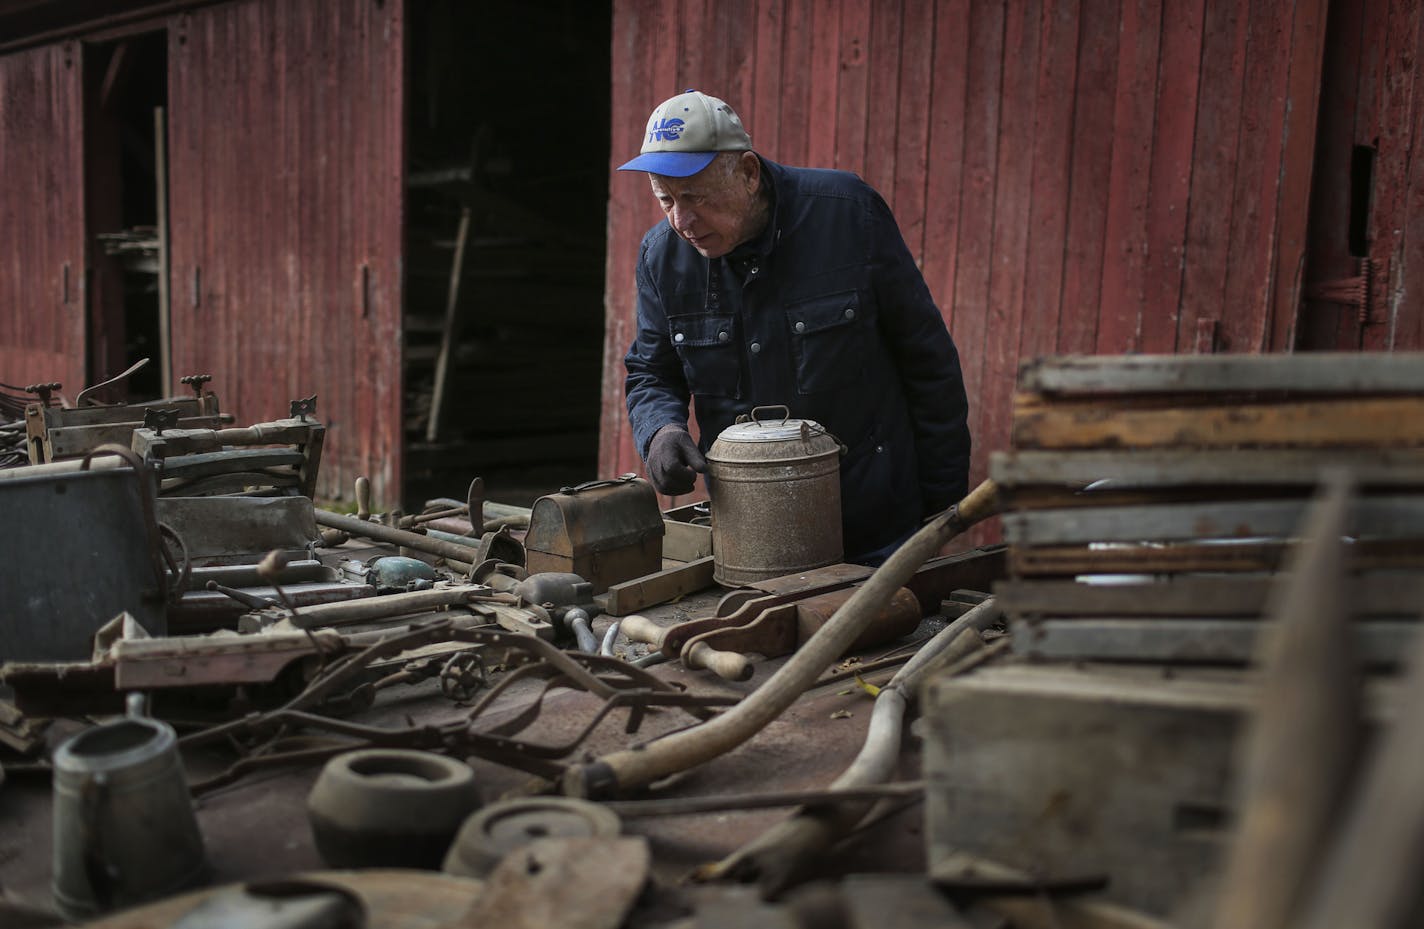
x=368, y=530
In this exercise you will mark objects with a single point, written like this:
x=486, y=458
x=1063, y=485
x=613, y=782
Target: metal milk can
x=776, y=497
x=124, y=828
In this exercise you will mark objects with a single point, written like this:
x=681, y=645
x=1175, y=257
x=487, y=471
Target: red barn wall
x=1098, y=176
x=42, y=259
x=286, y=153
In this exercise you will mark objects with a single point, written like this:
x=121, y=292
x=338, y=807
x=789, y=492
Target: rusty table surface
x=257, y=827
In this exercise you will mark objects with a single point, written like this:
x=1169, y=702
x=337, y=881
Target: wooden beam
x=1309, y=372
x=1391, y=422
x=450, y=333
x=1395, y=517
x=1151, y=468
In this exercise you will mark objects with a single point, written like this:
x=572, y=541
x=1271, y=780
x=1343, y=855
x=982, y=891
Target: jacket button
x=850, y=313
x=723, y=336
x=879, y=449
x=678, y=337
x=755, y=347
x=800, y=327
x=754, y=270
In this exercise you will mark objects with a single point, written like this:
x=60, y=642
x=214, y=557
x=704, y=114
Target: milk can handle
x=785, y=412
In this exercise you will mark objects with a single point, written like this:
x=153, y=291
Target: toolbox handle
x=607, y=482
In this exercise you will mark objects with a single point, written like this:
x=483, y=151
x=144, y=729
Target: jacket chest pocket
x=710, y=360
x=826, y=334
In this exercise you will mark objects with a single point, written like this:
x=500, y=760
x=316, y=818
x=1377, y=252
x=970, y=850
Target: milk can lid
x=764, y=424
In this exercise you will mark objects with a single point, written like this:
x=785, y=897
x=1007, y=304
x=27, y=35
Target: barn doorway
x=125, y=100
x=506, y=204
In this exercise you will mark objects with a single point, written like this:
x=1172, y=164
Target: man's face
x=716, y=209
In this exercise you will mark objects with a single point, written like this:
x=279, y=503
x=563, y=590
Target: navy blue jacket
x=827, y=314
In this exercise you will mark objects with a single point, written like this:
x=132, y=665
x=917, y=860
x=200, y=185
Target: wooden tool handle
x=729, y=666
x=641, y=629
x=981, y=503
x=363, y=497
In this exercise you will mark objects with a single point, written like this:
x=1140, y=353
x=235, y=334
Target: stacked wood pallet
x=1150, y=501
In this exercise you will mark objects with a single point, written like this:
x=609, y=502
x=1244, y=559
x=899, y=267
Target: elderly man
x=773, y=285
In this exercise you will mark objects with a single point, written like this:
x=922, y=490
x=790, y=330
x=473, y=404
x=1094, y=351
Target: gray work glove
x=672, y=459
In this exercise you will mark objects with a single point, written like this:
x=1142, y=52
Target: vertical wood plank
x=764, y=106
x=1407, y=309
x=946, y=162
x=793, y=124
x=1129, y=179
x=1170, y=180
x=1051, y=181
x=1325, y=325
x=1390, y=126
x=853, y=86
x=881, y=148
x=1213, y=167
x=42, y=217
x=1092, y=159
x=1298, y=143
x=977, y=209
x=1255, y=198
x=825, y=68
x=911, y=140
x=1012, y=206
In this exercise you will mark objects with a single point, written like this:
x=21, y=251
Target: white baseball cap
x=686, y=133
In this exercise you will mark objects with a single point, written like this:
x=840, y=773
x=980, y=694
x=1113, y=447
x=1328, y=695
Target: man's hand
x=672, y=459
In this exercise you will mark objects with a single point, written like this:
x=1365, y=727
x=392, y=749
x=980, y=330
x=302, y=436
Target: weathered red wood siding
x=1075, y=175
x=286, y=154
x=42, y=282
x=1373, y=108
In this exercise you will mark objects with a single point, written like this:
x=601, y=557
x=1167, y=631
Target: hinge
x=1365, y=291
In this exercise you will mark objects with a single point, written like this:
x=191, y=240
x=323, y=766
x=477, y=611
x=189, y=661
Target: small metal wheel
x=488, y=835
x=462, y=676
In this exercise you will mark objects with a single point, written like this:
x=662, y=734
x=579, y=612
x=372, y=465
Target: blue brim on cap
x=670, y=164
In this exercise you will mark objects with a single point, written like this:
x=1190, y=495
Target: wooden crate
x=1151, y=500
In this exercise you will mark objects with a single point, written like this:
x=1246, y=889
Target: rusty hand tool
x=688, y=748
x=671, y=639
x=779, y=630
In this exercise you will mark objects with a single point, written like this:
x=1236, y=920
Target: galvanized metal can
x=124, y=828
x=776, y=498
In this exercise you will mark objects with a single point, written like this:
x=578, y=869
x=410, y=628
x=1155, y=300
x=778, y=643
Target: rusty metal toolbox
x=604, y=531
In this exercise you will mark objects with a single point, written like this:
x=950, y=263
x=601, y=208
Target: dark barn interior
x=505, y=244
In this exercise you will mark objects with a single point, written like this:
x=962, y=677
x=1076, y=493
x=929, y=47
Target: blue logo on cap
x=666, y=130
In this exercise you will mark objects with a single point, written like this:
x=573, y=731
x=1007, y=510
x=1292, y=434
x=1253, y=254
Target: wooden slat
x=1213, y=167
x=1399, y=96
x=884, y=90
x=1234, y=467
x=1407, y=321
x=912, y=129
x=1012, y=200
x=824, y=67
x=794, y=88
x=1188, y=641
x=1054, y=561
x=1172, y=151
x=1299, y=144
x=1242, y=328
x=946, y=144
x=1134, y=116
x=1381, y=423
x=1315, y=373
x=1052, y=170
x=1246, y=595
x=974, y=261
x=1375, y=517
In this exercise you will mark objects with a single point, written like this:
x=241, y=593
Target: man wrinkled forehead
x=714, y=178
